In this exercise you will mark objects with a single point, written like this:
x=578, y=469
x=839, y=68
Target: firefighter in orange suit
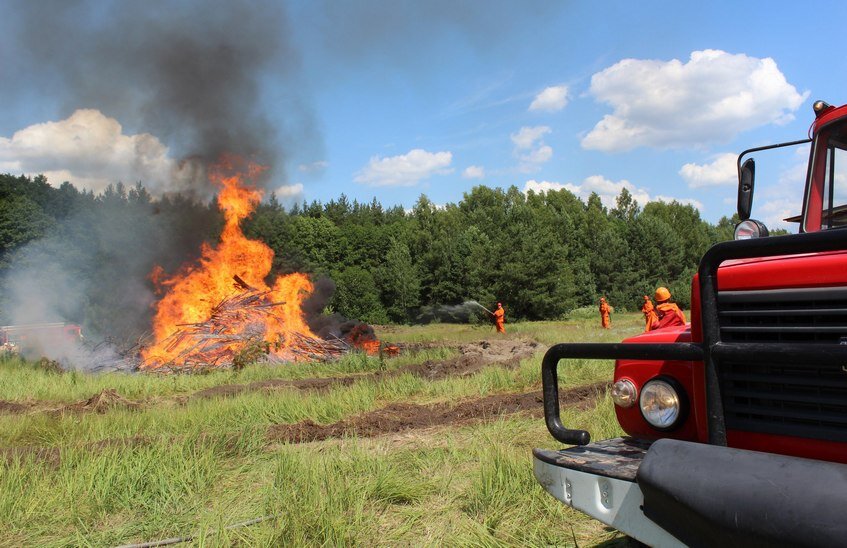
x=605, y=313
x=668, y=313
x=650, y=316
x=499, y=318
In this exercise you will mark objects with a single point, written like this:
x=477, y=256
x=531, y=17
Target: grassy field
x=157, y=460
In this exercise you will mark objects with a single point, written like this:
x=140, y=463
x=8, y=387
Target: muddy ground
x=400, y=417
x=102, y=402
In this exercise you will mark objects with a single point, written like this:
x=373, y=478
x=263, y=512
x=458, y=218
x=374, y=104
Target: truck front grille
x=812, y=315
x=805, y=399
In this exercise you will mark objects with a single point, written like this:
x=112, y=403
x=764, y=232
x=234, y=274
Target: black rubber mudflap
x=708, y=495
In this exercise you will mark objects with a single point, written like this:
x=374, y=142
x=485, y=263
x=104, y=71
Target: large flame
x=192, y=294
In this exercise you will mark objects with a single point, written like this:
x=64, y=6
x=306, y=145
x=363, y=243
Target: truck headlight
x=624, y=393
x=663, y=403
x=749, y=229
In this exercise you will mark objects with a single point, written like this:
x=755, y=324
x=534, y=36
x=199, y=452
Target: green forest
x=543, y=255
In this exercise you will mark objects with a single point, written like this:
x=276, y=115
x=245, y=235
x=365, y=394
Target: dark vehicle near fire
x=737, y=423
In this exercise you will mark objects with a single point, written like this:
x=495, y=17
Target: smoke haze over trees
x=74, y=256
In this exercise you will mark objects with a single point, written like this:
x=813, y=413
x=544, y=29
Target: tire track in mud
x=400, y=417
x=101, y=402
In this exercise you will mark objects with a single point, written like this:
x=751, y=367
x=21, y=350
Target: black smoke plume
x=188, y=72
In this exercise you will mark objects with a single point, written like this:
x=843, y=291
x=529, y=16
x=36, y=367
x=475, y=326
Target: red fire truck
x=737, y=423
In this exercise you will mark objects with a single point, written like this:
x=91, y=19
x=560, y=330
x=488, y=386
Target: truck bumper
x=675, y=493
x=599, y=480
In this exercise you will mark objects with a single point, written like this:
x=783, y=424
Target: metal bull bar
x=711, y=351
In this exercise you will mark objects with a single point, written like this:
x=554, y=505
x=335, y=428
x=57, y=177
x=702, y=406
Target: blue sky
x=396, y=99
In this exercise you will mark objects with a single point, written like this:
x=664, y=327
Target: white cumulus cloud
x=697, y=204
x=406, y=169
x=539, y=155
x=607, y=189
x=526, y=137
x=722, y=171
x=540, y=187
x=711, y=98
x=91, y=151
x=530, y=147
x=473, y=172
x=551, y=99
x=289, y=192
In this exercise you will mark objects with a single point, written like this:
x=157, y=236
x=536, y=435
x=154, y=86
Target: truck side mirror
x=746, y=176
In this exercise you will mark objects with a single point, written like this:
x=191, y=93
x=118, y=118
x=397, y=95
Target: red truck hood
x=806, y=270
x=827, y=269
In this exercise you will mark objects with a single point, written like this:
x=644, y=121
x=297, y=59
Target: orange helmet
x=646, y=298
x=603, y=299
x=662, y=294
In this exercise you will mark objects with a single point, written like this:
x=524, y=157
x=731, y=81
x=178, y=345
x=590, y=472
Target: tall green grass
x=176, y=468
x=462, y=486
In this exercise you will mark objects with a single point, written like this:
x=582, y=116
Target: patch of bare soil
x=105, y=400
x=13, y=407
x=473, y=357
x=102, y=402
x=399, y=417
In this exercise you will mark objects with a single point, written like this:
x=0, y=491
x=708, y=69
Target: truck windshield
x=834, y=211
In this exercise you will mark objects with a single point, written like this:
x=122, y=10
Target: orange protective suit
x=650, y=316
x=669, y=314
x=605, y=311
x=500, y=319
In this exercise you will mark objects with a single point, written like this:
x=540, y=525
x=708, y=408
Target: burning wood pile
x=203, y=322
x=235, y=335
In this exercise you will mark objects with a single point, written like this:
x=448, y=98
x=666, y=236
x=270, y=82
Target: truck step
x=617, y=458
